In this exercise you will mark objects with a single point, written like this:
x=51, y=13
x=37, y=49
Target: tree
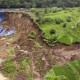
x=39, y=3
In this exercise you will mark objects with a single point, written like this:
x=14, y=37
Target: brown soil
x=43, y=58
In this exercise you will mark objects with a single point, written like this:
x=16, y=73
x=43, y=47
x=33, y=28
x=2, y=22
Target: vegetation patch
x=9, y=67
x=12, y=68
x=32, y=35
x=37, y=45
x=61, y=26
x=69, y=71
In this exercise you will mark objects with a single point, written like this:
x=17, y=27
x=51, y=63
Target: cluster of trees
x=38, y=3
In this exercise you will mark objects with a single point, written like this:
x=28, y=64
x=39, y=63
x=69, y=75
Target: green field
x=58, y=25
x=70, y=71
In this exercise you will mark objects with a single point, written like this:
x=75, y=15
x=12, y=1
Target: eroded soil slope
x=42, y=56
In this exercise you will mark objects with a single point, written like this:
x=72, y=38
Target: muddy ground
x=42, y=56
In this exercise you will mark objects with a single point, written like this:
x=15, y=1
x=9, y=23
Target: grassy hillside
x=59, y=25
x=70, y=71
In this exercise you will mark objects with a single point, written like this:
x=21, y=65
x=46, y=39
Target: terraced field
x=59, y=25
x=70, y=71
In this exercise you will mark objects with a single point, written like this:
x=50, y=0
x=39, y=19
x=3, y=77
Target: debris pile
x=3, y=31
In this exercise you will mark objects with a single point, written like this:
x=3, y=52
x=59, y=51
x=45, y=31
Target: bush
x=32, y=35
x=52, y=31
x=78, y=24
x=58, y=20
x=63, y=7
x=79, y=10
x=52, y=40
x=45, y=11
x=64, y=25
x=48, y=20
x=69, y=19
x=54, y=11
x=37, y=13
x=33, y=10
x=44, y=20
x=40, y=20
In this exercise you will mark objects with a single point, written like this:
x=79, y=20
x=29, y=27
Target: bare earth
x=42, y=59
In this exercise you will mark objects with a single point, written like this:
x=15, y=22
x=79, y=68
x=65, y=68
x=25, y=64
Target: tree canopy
x=38, y=3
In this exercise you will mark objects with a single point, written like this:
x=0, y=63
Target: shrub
x=64, y=25
x=40, y=20
x=49, y=39
x=52, y=31
x=37, y=13
x=78, y=24
x=44, y=20
x=79, y=10
x=58, y=20
x=46, y=11
x=33, y=10
x=52, y=40
x=48, y=20
x=63, y=7
x=54, y=11
x=32, y=35
x=69, y=19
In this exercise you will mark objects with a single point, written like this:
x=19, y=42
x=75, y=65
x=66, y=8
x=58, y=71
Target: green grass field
x=70, y=71
x=67, y=31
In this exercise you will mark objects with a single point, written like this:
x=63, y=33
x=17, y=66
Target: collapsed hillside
x=27, y=42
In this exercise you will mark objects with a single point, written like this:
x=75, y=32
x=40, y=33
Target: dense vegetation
x=70, y=71
x=59, y=24
x=39, y=3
